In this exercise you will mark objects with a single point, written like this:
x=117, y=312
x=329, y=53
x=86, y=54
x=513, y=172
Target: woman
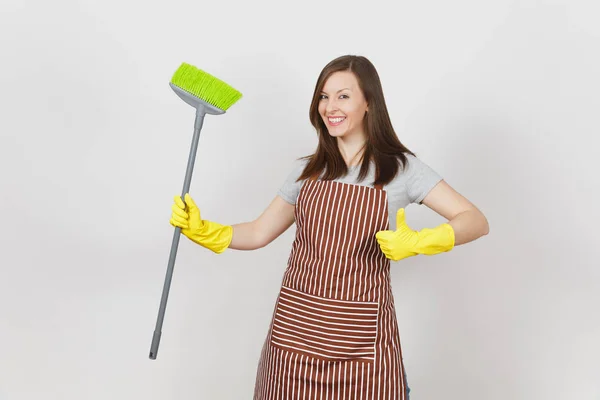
x=334, y=332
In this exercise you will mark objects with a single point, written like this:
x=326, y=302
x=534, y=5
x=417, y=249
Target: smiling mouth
x=336, y=120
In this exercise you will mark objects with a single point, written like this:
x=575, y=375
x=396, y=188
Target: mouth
x=335, y=121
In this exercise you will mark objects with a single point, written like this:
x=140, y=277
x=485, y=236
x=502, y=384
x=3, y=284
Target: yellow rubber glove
x=211, y=235
x=404, y=242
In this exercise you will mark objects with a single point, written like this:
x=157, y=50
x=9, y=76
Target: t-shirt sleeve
x=290, y=189
x=420, y=179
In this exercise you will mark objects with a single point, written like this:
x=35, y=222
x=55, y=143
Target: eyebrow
x=338, y=90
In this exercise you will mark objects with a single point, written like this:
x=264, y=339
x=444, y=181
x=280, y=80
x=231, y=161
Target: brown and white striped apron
x=334, y=333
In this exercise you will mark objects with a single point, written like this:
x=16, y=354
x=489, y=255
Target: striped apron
x=334, y=333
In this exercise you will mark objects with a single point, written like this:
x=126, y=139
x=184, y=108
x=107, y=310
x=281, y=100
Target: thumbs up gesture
x=405, y=242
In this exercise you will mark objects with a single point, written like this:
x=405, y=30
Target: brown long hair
x=382, y=145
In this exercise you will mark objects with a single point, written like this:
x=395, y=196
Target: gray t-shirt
x=410, y=185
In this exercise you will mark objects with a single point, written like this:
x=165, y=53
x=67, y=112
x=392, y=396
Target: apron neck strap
x=315, y=177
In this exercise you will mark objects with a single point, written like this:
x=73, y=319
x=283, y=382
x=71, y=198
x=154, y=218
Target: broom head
x=205, y=87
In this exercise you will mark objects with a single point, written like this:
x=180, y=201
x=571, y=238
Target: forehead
x=339, y=80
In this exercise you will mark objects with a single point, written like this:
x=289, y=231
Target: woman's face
x=342, y=105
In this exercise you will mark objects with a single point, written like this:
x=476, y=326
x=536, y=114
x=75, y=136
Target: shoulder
x=414, y=167
x=413, y=164
x=408, y=169
x=291, y=185
x=415, y=179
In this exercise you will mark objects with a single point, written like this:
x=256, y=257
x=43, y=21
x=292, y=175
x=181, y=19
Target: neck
x=351, y=148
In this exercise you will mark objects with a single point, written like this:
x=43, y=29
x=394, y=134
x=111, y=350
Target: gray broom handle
x=200, y=113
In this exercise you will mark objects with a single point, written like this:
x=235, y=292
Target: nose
x=331, y=106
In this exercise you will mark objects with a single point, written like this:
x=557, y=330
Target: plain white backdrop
x=499, y=97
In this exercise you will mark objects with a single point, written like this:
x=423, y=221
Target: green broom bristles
x=205, y=86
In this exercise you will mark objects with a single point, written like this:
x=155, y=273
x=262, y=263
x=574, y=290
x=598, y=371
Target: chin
x=336, y=134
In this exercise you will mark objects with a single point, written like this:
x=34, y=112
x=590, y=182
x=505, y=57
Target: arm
x=467, y=221
x=465, y=224
x=246, y=236
x=274, y=220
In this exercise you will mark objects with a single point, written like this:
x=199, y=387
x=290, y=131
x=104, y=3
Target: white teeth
x=336, y=120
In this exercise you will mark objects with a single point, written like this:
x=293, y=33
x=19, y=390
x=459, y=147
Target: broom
x=208, y=95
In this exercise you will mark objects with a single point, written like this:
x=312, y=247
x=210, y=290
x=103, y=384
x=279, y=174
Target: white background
x=499, y=97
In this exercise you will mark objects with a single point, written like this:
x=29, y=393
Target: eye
x=344, y=95
x=322, y=97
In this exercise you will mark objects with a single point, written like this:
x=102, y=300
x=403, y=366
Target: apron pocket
x=328, y=329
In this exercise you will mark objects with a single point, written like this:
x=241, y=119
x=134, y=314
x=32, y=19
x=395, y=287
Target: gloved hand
x=404, y=242
x=211, y=235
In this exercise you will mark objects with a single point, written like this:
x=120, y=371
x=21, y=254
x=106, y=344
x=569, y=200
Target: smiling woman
x=334, y=332
x=349, y=113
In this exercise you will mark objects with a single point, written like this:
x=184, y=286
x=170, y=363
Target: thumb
x=400, y=219
x=192, y=207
